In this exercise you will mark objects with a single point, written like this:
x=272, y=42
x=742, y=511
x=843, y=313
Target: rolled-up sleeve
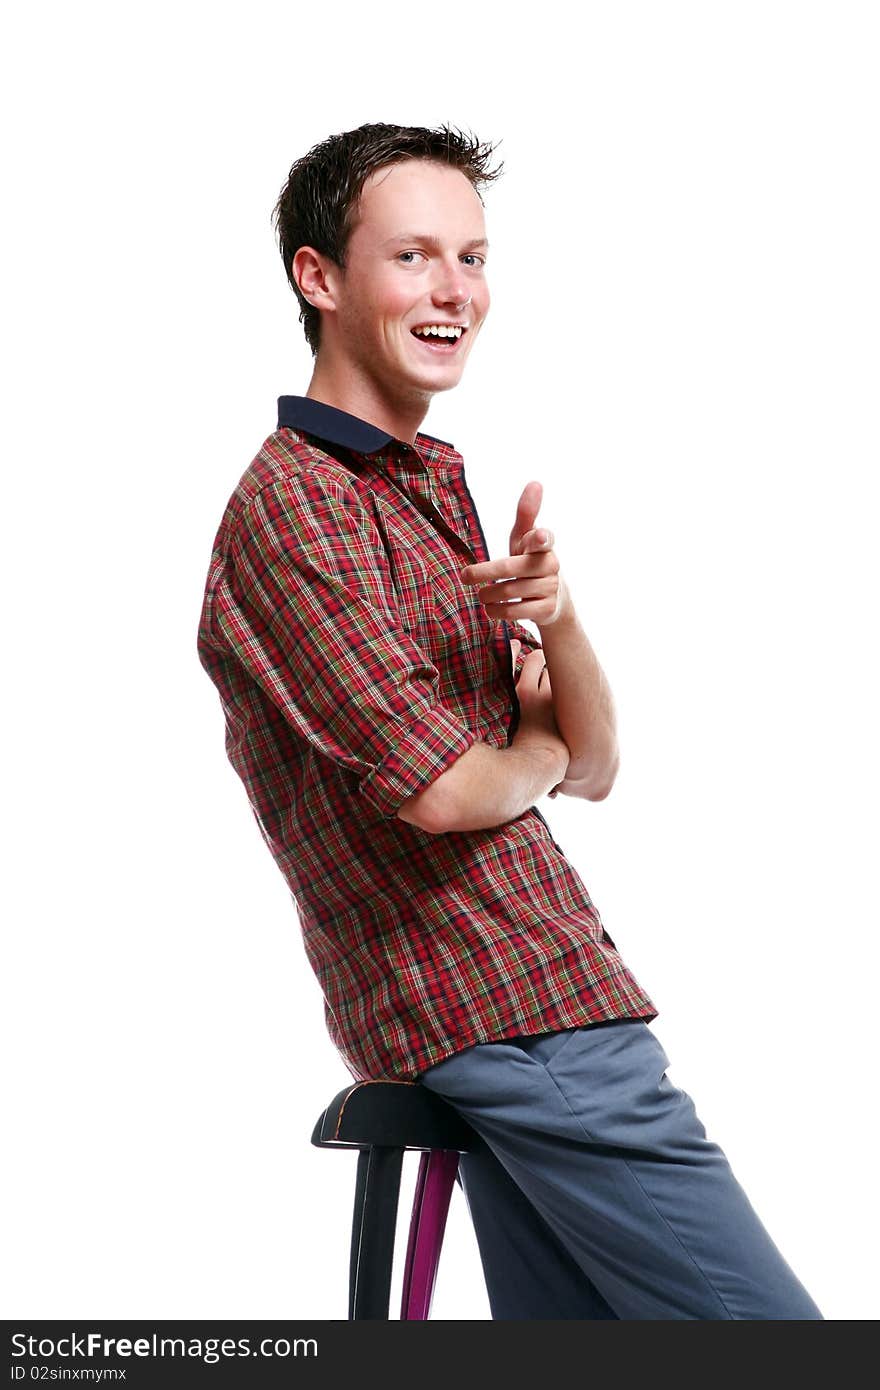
x=310, y=611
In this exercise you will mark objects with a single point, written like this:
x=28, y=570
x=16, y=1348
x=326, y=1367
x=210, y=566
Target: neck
x=347, y=390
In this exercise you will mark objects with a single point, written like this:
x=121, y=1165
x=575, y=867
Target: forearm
x=583, y=705
x=489, y=786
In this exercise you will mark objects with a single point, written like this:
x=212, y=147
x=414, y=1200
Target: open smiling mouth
x=436, y=344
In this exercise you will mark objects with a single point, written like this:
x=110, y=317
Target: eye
x=468, y=256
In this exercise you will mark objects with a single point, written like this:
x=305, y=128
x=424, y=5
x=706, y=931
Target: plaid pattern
x=354, y=668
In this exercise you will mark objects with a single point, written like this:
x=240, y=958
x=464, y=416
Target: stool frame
x=383, y=1120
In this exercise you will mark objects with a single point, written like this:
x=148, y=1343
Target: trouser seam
x=646, y=1194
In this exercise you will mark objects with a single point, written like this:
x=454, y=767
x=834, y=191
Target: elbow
x=593, y=787
x=439, y=805
x=440, y=815
x=600, y=793
x=605, y=787
x=447, y=803
x=427, y=810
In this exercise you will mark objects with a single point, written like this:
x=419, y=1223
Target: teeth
x=436, y=330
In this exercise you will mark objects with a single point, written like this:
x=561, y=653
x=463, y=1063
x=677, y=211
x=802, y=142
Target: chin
x=440, y=379
x=448, y=385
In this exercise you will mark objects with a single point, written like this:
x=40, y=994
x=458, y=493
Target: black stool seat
x=383, y=1119
x=396, y=1114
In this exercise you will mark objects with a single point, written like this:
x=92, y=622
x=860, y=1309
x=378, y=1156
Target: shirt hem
x=512, y=1029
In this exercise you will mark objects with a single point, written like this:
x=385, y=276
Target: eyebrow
x=432, y=240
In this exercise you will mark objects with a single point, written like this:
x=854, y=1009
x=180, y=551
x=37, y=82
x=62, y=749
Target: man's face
x=416, y=255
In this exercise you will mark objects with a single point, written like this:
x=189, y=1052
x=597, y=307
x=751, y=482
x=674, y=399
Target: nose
x=452, y=287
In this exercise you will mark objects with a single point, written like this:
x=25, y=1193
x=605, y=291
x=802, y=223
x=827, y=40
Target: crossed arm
x=583, y=707
x=489, y=786
x=295, y=604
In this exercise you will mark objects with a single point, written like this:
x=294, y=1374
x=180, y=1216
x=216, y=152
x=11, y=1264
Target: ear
x=313, y=274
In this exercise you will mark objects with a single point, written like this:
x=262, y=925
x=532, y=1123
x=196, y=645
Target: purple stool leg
x=436, y=1177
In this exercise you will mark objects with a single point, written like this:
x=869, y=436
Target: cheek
x=392, y=300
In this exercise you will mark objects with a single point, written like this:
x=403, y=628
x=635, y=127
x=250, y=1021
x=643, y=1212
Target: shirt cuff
x=429, y=747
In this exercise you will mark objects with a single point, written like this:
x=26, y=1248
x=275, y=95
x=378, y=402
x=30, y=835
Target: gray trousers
x=595, y=1193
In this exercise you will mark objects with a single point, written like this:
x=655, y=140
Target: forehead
x=419, y=195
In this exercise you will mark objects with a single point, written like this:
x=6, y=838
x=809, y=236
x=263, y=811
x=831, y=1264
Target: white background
x=683, y=348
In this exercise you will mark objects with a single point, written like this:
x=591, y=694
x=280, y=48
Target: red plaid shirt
x=354, y=668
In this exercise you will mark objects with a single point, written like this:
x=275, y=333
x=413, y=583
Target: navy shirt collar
x=337, y=426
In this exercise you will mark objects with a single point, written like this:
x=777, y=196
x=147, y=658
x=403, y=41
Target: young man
x=394, y=724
